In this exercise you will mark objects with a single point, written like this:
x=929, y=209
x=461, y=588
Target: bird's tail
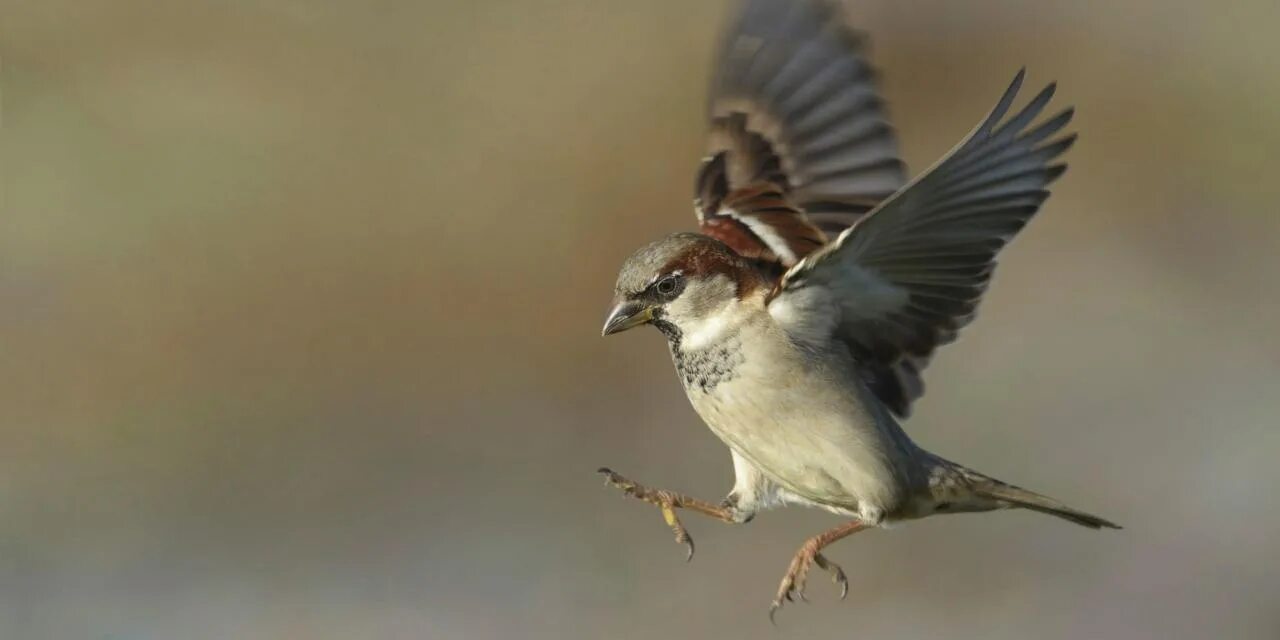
x=1019, y=497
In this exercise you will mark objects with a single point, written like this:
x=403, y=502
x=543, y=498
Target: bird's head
x=677, y=283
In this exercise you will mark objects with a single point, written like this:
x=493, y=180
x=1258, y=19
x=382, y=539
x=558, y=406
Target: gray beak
x=626, y=315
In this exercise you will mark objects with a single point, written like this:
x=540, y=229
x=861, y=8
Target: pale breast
x=802, y=420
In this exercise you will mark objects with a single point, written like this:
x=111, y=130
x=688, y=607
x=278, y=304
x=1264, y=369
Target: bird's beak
x=626, y=315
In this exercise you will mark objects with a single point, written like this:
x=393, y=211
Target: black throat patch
x=705, y=368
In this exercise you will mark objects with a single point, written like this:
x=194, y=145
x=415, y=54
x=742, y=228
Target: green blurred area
x=300, y=305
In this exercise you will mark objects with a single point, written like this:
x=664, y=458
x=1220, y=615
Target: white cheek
x=707, y=331
x=705, y=311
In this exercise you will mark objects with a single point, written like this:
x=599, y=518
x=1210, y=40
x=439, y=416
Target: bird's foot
x=664, y=500
x=793, y=583
x=668, y=502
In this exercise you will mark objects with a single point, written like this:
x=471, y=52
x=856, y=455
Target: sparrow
x=801, y=314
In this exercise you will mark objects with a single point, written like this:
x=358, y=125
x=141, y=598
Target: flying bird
x=821, y=281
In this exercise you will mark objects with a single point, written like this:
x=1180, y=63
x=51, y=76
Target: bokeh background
x=300, y=307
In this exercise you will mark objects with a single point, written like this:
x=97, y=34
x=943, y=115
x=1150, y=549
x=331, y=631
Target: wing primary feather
x=911, y=272
x=1017, y=123
x=1018, y=156
x=1002, y=107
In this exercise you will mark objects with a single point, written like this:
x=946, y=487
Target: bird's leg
x=810, y=553
x=669, y=501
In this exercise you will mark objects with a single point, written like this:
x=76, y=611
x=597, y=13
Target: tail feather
x=1019, y=497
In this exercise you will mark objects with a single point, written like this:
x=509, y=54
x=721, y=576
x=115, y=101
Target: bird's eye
x=667, y=285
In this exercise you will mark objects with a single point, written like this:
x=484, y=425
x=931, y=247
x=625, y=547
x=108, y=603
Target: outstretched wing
x=799, y=144
x=910, y=274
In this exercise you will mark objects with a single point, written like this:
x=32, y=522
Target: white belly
x=811, y=429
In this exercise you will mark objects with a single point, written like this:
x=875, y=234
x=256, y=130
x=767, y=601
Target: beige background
x=300, y=303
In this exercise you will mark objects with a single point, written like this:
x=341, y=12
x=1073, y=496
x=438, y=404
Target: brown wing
x=799, y=145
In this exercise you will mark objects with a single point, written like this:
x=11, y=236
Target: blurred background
x=300, y=306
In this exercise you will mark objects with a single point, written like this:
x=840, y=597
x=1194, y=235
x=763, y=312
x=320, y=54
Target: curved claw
x=789, y=595
x=810, y=554
x=792, y=588
x=787, y=592
x=673, y=521
x=838, y=576
x=611, y=479
x=667, y=501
